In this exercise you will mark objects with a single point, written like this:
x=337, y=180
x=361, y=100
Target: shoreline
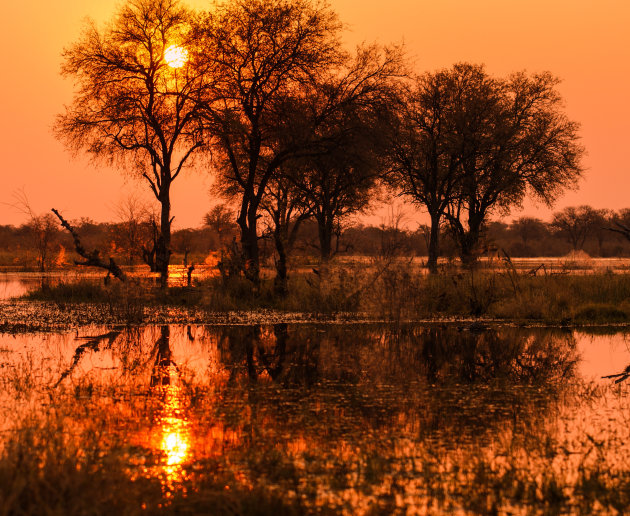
x=25, y=316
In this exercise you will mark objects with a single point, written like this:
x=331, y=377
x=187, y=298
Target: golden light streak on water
x=174, y=436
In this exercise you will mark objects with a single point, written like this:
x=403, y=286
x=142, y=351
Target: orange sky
x=586, y=43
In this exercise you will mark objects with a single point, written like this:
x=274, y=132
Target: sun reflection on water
x=173, y=432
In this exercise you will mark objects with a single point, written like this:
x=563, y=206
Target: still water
x=343, y=418
x=16, y=284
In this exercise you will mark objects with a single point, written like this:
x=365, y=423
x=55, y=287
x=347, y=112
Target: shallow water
x=351, y=418
x=16, y=284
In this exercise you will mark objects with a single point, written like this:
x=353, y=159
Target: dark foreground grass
x=54, y=479
x=48, y=468
x=393, y=292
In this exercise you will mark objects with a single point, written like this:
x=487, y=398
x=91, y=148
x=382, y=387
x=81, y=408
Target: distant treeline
x=41, y=244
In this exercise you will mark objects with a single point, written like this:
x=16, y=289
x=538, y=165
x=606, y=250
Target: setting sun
x=176, y=56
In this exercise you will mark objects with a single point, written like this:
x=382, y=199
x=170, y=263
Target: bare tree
x=575, y=224
x=511, y=138
x=136, y=99
x=422, y=163
x=43, y=228
x=287, y=207
x=260, y=52
x=340, y=173
x=133, y=233
x=92, y=258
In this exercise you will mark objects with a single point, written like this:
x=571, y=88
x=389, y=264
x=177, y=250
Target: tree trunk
x=325, y=230
x=468, y=244
x=468, y=239
x=434, y=244
x=163, y=248
x=249, y=244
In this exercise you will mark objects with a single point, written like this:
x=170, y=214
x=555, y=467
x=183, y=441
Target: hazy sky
x=584, y=42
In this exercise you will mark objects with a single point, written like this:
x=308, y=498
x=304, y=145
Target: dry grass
x=393, y=289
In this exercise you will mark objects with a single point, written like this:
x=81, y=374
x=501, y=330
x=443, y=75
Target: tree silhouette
x=343, y=116
x=272, y=60
x=260, y=52
x=287, y=208
x=575, y=224
x=134, y=107
x=423, y=164
x=511, y=137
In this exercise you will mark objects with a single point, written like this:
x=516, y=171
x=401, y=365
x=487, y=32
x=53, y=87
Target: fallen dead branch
x=620, y=377
x=92, y=259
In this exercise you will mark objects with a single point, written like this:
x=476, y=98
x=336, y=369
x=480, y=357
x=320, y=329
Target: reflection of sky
x=10, y=287
x=602, y=355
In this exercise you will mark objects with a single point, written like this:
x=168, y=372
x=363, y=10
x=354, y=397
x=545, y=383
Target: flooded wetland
x=314, y=418
x=309, y=275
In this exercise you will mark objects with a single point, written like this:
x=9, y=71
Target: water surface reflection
x=173, y=434
x=352, y=418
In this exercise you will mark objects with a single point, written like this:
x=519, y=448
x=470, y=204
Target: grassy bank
x=394, y=292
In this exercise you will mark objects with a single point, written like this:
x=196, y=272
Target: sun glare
x=176, y=56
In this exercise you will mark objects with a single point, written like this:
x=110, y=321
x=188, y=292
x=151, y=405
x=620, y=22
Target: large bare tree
x=467, y=144
x=340, y=180
x=422, y=163
x=136, y=99
x=261, y=52
x=512, y=138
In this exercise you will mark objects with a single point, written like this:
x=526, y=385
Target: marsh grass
x=556, y=299
x=392, y=290
x=43, y=472
x=582, y=299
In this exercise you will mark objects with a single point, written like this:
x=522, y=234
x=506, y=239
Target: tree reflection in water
x=336, y=415
x=269, y=353
x=299, y=388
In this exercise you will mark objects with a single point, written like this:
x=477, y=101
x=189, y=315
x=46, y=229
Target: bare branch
x=92, y=259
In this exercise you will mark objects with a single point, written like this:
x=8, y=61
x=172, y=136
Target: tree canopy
x=468, y=144
x=135, y=105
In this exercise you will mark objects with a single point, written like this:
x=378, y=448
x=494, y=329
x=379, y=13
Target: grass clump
x=82, y=291
x=600, y=313
x=392, y=290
